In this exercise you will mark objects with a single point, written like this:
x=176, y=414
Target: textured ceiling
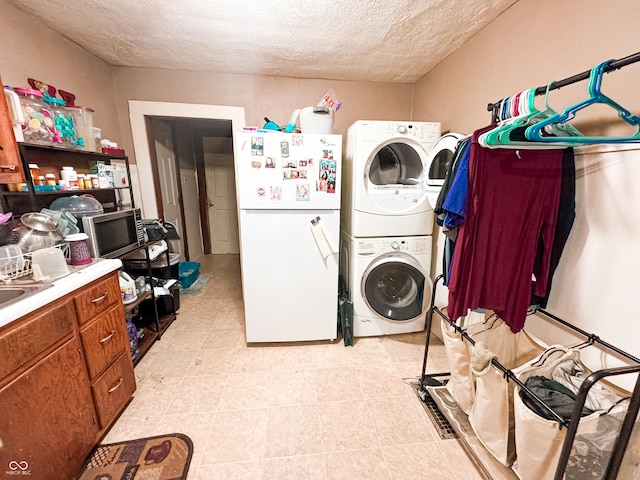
x=362, y=40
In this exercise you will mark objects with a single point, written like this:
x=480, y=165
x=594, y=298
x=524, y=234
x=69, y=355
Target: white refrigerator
x=289, y=201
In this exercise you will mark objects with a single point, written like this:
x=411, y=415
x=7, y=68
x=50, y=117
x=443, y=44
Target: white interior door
x=168, y=173
x=223, y=211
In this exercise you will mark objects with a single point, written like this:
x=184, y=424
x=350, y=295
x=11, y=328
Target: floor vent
x=445, y=430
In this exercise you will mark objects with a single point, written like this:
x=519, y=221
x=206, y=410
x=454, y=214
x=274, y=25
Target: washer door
x=396, y=287
x=440, y=157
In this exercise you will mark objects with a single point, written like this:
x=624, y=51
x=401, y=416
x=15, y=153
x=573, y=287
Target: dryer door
x=394, y=177
x=396, y=287
x=440, y=157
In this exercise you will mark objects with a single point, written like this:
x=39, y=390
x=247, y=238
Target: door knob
x=210, y=203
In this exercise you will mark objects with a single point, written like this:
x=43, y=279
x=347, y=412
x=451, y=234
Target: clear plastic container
x=37, y=116
x=78, y=206
x=83, y=120
x=63, y=129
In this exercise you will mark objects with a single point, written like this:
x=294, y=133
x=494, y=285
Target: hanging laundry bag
x=491, y=415
x=539, y=440
x=461, y=385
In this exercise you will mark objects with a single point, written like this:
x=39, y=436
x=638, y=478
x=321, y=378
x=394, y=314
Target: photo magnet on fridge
x=284, y=149
x=302, y=192
x=257, y=146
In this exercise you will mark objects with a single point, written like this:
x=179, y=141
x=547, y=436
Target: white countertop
x=67, y=284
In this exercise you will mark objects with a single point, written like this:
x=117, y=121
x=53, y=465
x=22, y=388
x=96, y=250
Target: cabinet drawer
x=98, y=297
x=113, y=389
x=104, y=340
x=24, y=340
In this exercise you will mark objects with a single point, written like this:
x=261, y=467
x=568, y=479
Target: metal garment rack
x=626, y=429
x=494, y=108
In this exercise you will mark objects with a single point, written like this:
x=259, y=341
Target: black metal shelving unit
x=154, y=331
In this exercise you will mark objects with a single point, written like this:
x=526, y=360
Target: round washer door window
x=394, y=287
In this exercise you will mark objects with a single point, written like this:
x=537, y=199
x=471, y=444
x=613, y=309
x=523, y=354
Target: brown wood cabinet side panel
x=97, y=297
x=113, y=389
x=23, y=340
x=9, y=154
x=104, y=340
x=48, y=416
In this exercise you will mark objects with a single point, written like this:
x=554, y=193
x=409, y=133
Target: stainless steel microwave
x=114, y=234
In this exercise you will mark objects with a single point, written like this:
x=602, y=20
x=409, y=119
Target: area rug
x=197, y=286
x=165, y=457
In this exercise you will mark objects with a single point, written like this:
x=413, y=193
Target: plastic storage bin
x=188, y=273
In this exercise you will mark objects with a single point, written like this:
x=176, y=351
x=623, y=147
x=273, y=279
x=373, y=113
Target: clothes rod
x=614, y=65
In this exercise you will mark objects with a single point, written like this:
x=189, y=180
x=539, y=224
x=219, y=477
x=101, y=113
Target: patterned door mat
x=165, y=457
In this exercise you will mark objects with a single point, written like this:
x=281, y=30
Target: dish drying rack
x=19, y=266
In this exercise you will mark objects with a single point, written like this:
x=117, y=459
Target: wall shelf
x=51, y=160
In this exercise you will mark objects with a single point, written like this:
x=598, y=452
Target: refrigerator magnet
x=297, y=140
x=269, y=162
x=328, y=154
x=257, y=146
x=275, y=193
x=284, y=149
x=302, y=192
x=261, y=192
x=256, y=164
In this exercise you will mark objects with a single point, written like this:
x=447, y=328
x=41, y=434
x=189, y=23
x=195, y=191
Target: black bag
x=345, y=313
x=552, y=393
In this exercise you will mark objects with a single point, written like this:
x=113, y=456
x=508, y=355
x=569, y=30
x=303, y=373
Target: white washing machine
x=385, y=165
x=389, y=283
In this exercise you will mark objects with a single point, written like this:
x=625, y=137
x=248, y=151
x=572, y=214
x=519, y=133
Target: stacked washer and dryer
x=387, y=222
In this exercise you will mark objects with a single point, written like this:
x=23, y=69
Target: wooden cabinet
x=11, y=170
x=48, y=416
x=66, y=373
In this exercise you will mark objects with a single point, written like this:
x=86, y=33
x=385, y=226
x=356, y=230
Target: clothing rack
x=494, y=108
x=626, y=429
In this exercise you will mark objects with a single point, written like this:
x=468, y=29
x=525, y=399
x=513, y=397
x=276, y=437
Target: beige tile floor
x=280, y=411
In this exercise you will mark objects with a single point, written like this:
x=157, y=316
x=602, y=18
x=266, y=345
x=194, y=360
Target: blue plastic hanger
x=528, y=114
x=560, y=120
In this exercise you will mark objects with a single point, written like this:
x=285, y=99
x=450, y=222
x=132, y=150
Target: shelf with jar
x=53, y=172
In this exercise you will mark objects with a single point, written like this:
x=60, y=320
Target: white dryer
x=389, y=283
x=438, y=160
x=385, y=165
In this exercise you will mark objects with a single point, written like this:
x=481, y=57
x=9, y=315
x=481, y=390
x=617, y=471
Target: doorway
x=208, y=208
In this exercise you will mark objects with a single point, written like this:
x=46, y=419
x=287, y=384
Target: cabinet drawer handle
x=108, y=337
x=8, y=167
x=100, y=298
x=116, y=386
